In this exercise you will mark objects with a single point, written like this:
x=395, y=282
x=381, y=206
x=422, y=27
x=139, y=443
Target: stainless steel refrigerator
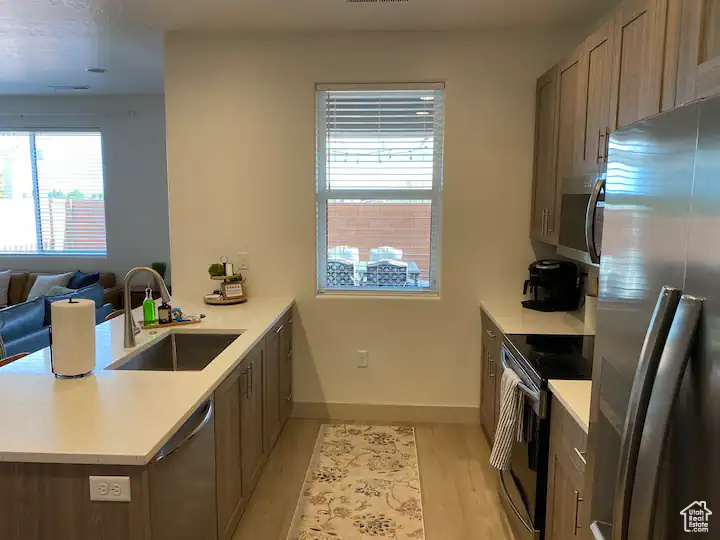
x=654, y=442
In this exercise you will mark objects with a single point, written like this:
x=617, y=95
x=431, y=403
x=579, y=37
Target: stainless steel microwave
x=581, y=218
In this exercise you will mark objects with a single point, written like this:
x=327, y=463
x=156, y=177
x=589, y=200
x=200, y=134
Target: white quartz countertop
x=120, y=417
x=575, y=397
x=509, y=315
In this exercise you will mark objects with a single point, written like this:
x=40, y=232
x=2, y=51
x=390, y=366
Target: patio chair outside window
x=387, y=274
x=385, y=253
x=340, y=273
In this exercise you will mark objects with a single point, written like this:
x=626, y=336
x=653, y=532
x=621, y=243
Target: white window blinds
x=379, y=180
x=52, y=193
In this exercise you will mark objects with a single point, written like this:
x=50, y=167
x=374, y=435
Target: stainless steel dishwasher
x=182, y=481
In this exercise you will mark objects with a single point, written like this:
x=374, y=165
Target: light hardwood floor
x=460, y=501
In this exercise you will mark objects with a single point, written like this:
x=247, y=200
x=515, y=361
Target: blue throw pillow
x=81, y=280
x=21, y=319
x=93, y=292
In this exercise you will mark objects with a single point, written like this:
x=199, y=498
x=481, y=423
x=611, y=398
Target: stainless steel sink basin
x=180, y=352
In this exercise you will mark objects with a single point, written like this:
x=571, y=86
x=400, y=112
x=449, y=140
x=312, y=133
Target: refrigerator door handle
x=590, y=220
x=664, y=393
x=655, y=339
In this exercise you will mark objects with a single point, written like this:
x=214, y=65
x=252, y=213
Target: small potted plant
x=216, y=270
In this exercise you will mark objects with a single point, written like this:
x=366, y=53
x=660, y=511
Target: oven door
x=521, y=488
x=581, y=219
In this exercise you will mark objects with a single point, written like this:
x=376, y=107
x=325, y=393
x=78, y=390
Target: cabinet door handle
x=578, y=500
x=491, y=365
x=550, y=225
x=252, y=376
x=581, y=455
x=279, y=329
x=490, y=334
x=598, y=155
x=607, y=143
x=289, y=398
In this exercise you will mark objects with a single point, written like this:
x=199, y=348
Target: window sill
x=58, y=255
x=377, y=294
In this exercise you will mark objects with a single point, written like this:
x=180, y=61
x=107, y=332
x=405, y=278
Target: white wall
x=241, y=157
x=134, y=157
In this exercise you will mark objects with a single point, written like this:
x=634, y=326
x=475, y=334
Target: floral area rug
x=363, y=483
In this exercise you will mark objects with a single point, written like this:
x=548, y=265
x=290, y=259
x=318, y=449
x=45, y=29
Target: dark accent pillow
x=93, y=292
x=81, y=280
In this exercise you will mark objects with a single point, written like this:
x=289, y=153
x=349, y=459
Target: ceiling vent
x=375, y=1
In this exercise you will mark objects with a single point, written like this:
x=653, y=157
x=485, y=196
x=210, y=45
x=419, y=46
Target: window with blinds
x=52, y=198
x=379, y=187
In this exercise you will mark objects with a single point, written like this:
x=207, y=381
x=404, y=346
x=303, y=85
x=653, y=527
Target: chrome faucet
x=131, y=327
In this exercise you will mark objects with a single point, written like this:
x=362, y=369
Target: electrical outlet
x=243, y=261
x=362, y=359
x=110, y=488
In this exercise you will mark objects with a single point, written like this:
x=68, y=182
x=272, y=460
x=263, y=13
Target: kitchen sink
x=180, y=352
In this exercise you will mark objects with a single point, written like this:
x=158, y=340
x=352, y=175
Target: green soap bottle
x=148, y=308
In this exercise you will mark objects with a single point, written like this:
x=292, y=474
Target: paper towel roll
x=72, y=324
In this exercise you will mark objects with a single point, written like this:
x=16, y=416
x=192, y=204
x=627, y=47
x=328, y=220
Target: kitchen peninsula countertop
x=120, y=417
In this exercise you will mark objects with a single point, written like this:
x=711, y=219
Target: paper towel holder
x=52, y=363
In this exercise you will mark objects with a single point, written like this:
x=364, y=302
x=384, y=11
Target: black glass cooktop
x=556, y=357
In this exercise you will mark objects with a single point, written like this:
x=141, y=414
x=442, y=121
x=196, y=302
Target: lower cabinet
x=490, y=376
x=228, y=444
x=251, y=419
x=286, y=368
x=566, y=517
x=277, y=368
x=250, y=407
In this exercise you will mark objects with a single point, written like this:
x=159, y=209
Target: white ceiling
x=51, y=42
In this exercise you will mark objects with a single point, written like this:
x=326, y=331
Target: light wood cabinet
x=543, y=223
x=251, y=421
x=228, y=448
x=638, y=61
x=490, y=376
x=593, y=102
x=566, y=516
x=698, y=72
x=566, y=130
x=286, y=368
x=271, y=368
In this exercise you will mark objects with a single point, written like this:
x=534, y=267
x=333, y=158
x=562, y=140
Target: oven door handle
x=529, y=392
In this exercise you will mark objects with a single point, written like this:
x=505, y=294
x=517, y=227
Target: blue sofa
x=26, y=327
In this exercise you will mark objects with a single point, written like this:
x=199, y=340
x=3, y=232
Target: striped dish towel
x=510, y=422
x=3, y=352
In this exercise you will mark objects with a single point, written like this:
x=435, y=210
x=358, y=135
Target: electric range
x=536, y=359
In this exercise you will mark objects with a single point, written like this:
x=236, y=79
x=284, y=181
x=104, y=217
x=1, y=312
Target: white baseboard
x=386, y=413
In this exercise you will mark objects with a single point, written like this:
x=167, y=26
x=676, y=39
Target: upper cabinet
x=647, y=56
x=638, y=61
x=543, y=224
x=593, y=105
x=698, y=72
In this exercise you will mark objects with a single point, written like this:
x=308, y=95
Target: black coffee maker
x=553, y=286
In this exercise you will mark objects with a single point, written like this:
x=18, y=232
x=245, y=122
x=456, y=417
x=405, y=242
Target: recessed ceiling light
x=96, y=70
x=427, y=98
x=422, y=113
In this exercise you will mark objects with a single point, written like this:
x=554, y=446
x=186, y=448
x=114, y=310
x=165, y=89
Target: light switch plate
x=362, y=359
x=110, y=488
